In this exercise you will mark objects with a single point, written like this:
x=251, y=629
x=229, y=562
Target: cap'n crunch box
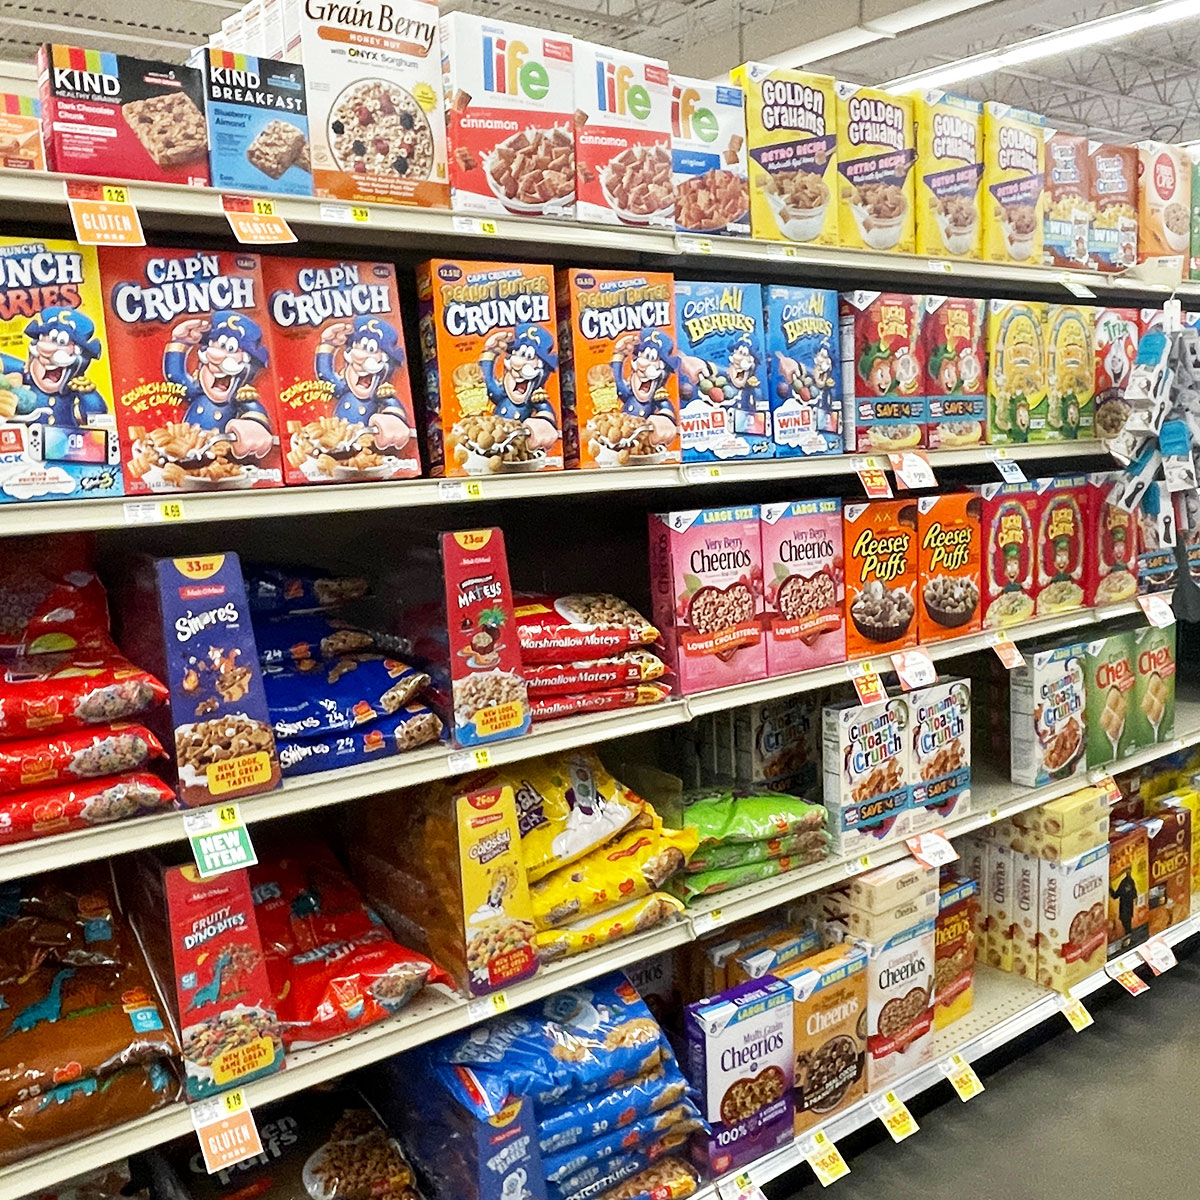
x=949, y=555
x=1113, y=193
x=949, y=168
x=193, y=379
x=620, y=391
x=1062, y=541
x=1013, y=176
x=1115, y=342
x=1008, y=575
x=488, y=339
x=952, y=330
x=345, y=405
x=1164, y=204
x=21, y=133
x=1068, y=221
x=708, y=157
x=1112, y=554
x=1016, y=371
x=881, y=576
x=1070, y=375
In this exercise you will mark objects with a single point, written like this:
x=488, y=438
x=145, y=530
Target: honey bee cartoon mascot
x=643, y=391
x=736, y=387
x=51, y=386
x=518, y=391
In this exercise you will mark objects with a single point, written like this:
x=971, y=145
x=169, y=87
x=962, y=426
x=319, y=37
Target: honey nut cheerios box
x=1164, y=205
x=345, y=404
x=708, y=157
x=1066, y=228
x=952, y=328
x=490, y=347
x=950, y=553
x=1013, y=183
x=1016, y=369
x=1069, y=340
x=880, y=538
x=791, y=134
x=1113, y=193
x=193, y=371
x=21, y=133
x=948, y=172
x=954, y=960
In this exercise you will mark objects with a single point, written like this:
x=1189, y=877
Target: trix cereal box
x=708, y=157
x=1062, y=542
x=791, y=129
x=1013, y=181
x=804, y=375
x=952, y=329
x=1047, y=695
x=488, y=338
x=1115, y=344
x=877, y=151
x=123, y=118
x=940, y=736
x=949, y=549
x=881, y=577
x=1111, y=562
x=1070, y=376
x=21, y=133
x=1008, y=575
x=616, y=338
x=58, y=434
x=622, y=138
x=1016, y=372
x=510, y=99
x=1113, y=193
x=949, y=168
x=192, y=374
x=345, y=406
x=1067, y=225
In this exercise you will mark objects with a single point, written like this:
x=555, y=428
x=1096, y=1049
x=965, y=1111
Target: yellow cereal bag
x=949, y=168
x=1014, y=168
x=610, y=926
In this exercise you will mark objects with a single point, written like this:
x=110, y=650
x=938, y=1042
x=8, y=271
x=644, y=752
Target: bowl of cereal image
x=1020, y=223
x=532, y=173
x=879, y=213
x=623, y=440
x=1176, y=226
x=485, y=444
x=376, y=127
x=354, y=1167
x=957, y=219
x=637, y=186
x=798, y=202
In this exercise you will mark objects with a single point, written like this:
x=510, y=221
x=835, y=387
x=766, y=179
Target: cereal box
x=1047, y=717
x=881, y=576
x=883, y=371
x=123, y=118
x=804, y=373
x=949, y=557
x=708, y=157
x=940, y=736
x=774, y=744
x=1112, y=551
x=706, y=576
x=1079, y=810
x=1194, y=247
x=1067, y=225
x=193, y=380
x=622, y=138
x=877, y=150
x=1169, y=837
x=616, y=339
x=1062, y=538
x=1109, y=679
x=1113, y=197
x=1115, y=344
x=58, y=434
x=772, y=954
x=724, y=410
x=949, y=168
x=1013, y=177
x=955, y=384
x=1016, y=370
x=791, y=131
x=804, y=577
x=1185, y=800
x=1070, y=410
x=999, y=869
x=1009, y=572
x=375, y=101
x=1128, y=887
x=954, y=953
x=1072, y=919
x=1024, y=924
x=21, y=133
x=1153, y=712
x=1164, y=204
x=488, y=337
x=509, y=94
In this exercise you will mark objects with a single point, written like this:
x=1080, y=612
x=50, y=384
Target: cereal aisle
x=573, y=631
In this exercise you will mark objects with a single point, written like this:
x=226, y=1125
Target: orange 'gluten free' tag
x=225, y=1126
x=255, y=222
x=103, y=214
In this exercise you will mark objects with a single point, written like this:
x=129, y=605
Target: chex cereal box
x=1066, y=229
x=877, y=151
x=708, y=157
x=804, y=370
x=1111, y=562
x=1108, y=665
x=1014, y=167
x=1164, y=204
x=1115, y=340
x=1009, y=574
x=123, y=118
x=620, y=385
x=21, y=133
x=345, y=404
x=940, y=735
x=622, y=138
x=724, y=411
x=1113, y=195
x=1070, y=375
x=1153, y=712
x=1016, y=370
x=791, y=132
x=880, y=540
x=257, y=124
x=509, y=93
x=949, y=168
x=489, y=341
x=1062, y=543
x=58, y=433
x=1047, y=718
x=950, y=552
x=952, y=328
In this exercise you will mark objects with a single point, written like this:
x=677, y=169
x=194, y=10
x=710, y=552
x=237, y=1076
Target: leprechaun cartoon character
x=735, y=386
x=516, y=387
x=1062, y=559
x=1012, y=568
x=877, y=367
x=642, y=363
x=51, y=386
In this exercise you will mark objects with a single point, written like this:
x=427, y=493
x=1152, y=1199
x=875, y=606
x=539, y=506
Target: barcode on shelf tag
x=941, y=265
x=894, y=1114
x=1102, y=779
x=474, y=225
x=914, y=668
x=1158, y=610
x=912, y=469
x=460, y=489
x=931, y=849
x=687, y=244
x=1158, y=956
x=1129, y=980
x=1078, y=288
x=702, y=474
x=962, y=1076
x=779, y=250
x=1007, y=650
x=1009, y=468
x=866, y=681
x=461, y=761
x=824, y=1157
x=226, y=1130
x=338, y=213
x=702, y=922
x=488, y=1006
x=1075, y=1012
x=740, y=1187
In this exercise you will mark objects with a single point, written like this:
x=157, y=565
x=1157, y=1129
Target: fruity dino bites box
x=1008, y=574
x=949, y=549
x=193, y=379
x=345, y=403
x=881, y=576
x=952, y=329
x=949, y=168
x=1013, y=181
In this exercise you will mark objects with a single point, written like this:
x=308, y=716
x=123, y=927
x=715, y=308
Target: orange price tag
x=103, y=214
x=1007, y=651
x=225, y=1126
x=873, y=478
x=866, y=682
x=912, y=469
x=255, y=222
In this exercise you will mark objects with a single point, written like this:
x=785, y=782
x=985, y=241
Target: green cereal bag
x=725, y=815
x=1153, y=713
x=1109, y=680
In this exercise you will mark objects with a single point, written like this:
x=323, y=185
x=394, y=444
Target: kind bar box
x=192, y=374
x=1072, y=918
x=1164, y=205
x=58, y=433
x=949, y=559
x=1128, y=887
x=940, y=765
x=257, y=124
x=122, y=118
x=622, y=138
x=880, y=539
x=1047, y=717
x=1109, y=679
x=877, y=151
x=21, y=133
x=1115, y=333
x=1153, y=712
x=345, y=402
x=1067, y=226
x=1113, y=196
x=952, y=329
x=1009, y=571
x=948, y=172
x=509, y=95
x=1062, y=543
x=1070, y=375
x=1169, y=842
x=1016, y=371
x=616, y=339
x=1111, y=562
x=708, y=157
x=791, y=131
x=489, y=340
x=1013, y=180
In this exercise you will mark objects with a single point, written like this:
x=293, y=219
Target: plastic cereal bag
x=65, y=807
x=546, y=708
x=731, y=816
x=668, y=1179
x=414, y=725
x=582, y=625
x=42, y=613
x=610, y=926
x=68, y=757
x=599, y=674
x=275, y=590
x=302, y=637
x=811, y=845
x=677, y=1121
x=710, y=883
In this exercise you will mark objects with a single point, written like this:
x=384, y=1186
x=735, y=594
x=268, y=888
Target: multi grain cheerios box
x=1013, y=183
x=708, y=157
x=21, y=133
x=1072, y=918
x=940, y=734
x=1062, y=543
x=791, y=131
x=1164, y=205
x=1108, y=667
x=509, y=94
x=1047, y=716
x=950, y=553
x=1070, y=375
x=1016, y=371
x=1066, y=228
x=949, y=168
x=999, y=867
x=952, y=328
x=1113, y=192
x=880, y=542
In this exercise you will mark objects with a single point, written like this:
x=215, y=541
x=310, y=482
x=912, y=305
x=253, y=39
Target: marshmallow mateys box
x=708, y=157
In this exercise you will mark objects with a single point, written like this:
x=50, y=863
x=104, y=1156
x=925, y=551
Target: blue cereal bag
x=414, y=725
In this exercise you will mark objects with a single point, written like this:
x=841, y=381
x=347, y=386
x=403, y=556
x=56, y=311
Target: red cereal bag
x=547, y=708
x=593, y=675
x=44, y=612
x=69, y=757
x=66, y=807
x=582, y=625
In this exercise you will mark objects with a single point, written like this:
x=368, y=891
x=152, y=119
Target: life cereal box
x=940, y=748
x=510, y=100
x=1047, y=721
x=1016, y=371
x=1113, y=193
x=1070, y=375
x=1164, y=204
x=708, y=157
x=1067, y=226
x=949, y=549
x=1072, y=918
x=1013, y=177
x=21, y=133
x=952, y=329
x=883, y=371
x=876, y=153
x=622, y=138
x=1108, y=665
x=1009, y=575
x=345, y=405
x=1169, y=834
x=620, y=387
x=1062, y=543
x=193, y=379
x=949, y=168
x=488, y=338
x=1111, y=563
x=1115, y=345
x=791, y=131
x=1128, y=887
x=58, y=434
x=881, y=576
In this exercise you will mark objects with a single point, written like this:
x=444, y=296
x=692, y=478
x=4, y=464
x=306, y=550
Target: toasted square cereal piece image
x=170, y=126
x=276, y=148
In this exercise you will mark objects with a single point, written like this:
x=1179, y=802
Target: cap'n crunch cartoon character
x=737, y=386
x=643, y=393
x=62, y=344
x=518, y=392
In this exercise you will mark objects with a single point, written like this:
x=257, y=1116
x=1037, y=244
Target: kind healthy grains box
x=949, y=548
x=1013, y=178
x=952, y=329
x=949, y=168
x=881, y=576
x=708, y=157
x=1016, y=370
x=21, y=133
x=1070, y=375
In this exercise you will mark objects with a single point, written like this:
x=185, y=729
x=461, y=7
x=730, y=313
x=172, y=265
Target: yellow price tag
x=360, y=214
x=714, y=472
x=228, y=814
x=1075, y=1012
x=263, y=208
x=483, y=757
x=171, y=510
x=474, y=489
x=962, y=1077
x=499, y=1002
x=488, y=227
x=114, y=193
x=824, y=1157
x=235, y=1101
x=894, y=1114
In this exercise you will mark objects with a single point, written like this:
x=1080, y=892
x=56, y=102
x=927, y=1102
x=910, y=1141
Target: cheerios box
x=1016, y=369
x=792, y=140
x=952, y=328
x=1008, y=581
x=1066, y=229
x=1113, y=194
x=708, y=157
x=21, y=133
x=345, y=404
x=1072, y=918
x=1014, y=167
x=948, y=172
x=509, y=95
x=1069, y=340
x=489, y=339
x=193, y=372
x=1164, y=205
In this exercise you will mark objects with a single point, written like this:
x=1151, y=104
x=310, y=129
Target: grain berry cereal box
x=791, y=132
x=1068, y=221
x=877, y=151
x=193, y=379
x=58, y=434
x=708, y=157
x=123, y=118
x=1164, y=204
x=509, y=94
x=1016, y=371
x=949, y=168
x=940, y=735
x=952, y=329
x=1115, y=342
x=1153, y=711
x=1113, y=195
x=1062, y=543
x=622, y=138
x=489, y=341
x=1111, y=563
x=1072, y=936
x=1070, y=376
x=949, y=558
x=616, y=339
x=1047, y=715
x=345, y=404
x=1013, y=183
x=1009, y=571
x=21, y=133
x=880, y=540
x=1109, y=679
x=1169, y=834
